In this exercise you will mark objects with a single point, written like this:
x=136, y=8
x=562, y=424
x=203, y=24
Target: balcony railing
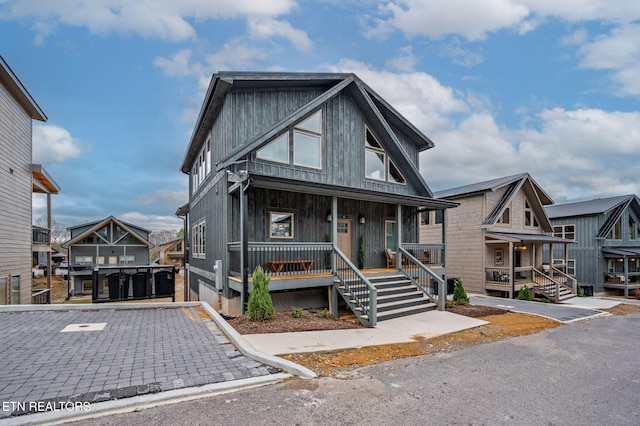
x=40, y=235
x=42, y=297
x=283, y=258
x=427, y=254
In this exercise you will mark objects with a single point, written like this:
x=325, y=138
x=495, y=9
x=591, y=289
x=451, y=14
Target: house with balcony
x=496, y=238
x=607, y=234
x=172, y=253
x=315, y=178
x=19, y=179
x=109, y=245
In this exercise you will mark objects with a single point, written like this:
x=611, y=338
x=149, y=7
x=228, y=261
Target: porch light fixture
x=520, y=247
x=329, y=217
x=361, y=219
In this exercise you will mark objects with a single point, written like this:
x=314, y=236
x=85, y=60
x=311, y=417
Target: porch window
x=113, y=260
x=100, y=260
x=15, y=290
x=424, y=218
x=84, y=260
x=128, y=259
x=616, y=232
x=390, y=234
x=300, y=146
x=377, y=163
x=281, y=225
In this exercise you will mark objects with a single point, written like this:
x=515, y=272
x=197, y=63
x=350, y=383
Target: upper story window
x=300, y=146
x=202, y=167
x=529, y=217
x=505, y=218
x=616, y=232
x=377, y=163
x=198, y=239
x=634, y=233
x=565, y=231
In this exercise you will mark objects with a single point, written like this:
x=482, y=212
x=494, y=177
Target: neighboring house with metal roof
x=306, y=175
x=104, y=243
x=607, y=233
x=19, y=180
x=496, y=238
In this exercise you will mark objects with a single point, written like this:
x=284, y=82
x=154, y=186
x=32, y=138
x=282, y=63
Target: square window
x=281, y=225
x=306, y=150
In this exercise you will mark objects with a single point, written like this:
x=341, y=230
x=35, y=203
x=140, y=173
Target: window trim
x=291, y=225
x=562, y=233
x=198, y=239
x=387, y=161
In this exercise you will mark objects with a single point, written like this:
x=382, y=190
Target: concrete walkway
x=399, y=330
x=577, y=308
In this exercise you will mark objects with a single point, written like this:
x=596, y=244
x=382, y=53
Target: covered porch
x=623, y=268
x=513, y=261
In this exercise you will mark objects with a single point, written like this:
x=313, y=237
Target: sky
x=548, y=87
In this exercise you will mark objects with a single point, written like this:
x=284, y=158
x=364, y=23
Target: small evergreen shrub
x=524, y=294
x=260, y=306
x=459, y=295
x=580, y=292
x=298, y=312
x=325, y=313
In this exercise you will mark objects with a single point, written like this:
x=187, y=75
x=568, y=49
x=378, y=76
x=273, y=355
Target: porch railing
x=427, y=254
x=282, y=258
x=565, y=279
x=42, y=297
x=432, y=285
x=501, y=276
x=40, y=235
x=548, y=285
x=356, y=290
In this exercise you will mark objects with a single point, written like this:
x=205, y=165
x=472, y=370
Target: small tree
x=459, y=295
x=524, y=294
x=260, y=306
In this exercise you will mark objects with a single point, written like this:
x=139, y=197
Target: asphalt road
x=583, y=373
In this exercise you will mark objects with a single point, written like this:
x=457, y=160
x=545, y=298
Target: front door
x=345, y=237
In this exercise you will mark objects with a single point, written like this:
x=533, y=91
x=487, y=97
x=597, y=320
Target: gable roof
x=19, y=92
x=133, y=230
x=384, y=120
x=586, y=208
x=535, y=194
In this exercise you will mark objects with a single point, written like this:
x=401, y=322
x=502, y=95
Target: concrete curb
x=247, y=349
x=125, y=405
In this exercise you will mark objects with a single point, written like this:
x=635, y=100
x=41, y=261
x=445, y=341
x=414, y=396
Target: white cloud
x=170, y=199
x=152, y=222
x=265, y=28
x=404, y=61
x=162, y=19
x=54, y=143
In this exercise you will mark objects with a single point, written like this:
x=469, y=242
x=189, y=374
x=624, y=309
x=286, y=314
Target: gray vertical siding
x=15, y=193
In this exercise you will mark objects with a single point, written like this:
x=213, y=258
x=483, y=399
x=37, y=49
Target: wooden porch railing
x=425, y=279
x=427, y=254
x=282, y=258
x=42, y=297
x=565, y=279
x=40, y=235
x=356, y=290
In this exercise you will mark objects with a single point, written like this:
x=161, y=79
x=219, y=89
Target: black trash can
x=587, y=290
x=118, y=286
x=140, y=284
x=165, y=282
x=451, y=285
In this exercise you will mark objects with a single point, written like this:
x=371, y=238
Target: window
x=281, y=225
x=202, y=166
x=198, y=239
x=616, y=232
x=377, y=164
x=390, y=234
x=529, y=217
x=84, y=260
x=128, y=259
x=424, y=218
x=15, y=290
x=100, y=260
x=505, y=218
x=571, y=265
x=633, y=229
x=439, y=216
x=113, y=260
x=565, y=231
x=301, y=145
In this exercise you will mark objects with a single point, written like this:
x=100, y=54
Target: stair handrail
x=442, y=290
x=574, y=282
x=370, y=310
x=554, y=284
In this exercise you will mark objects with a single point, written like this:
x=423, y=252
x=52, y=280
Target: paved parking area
x=106, y=354
x=557, y=311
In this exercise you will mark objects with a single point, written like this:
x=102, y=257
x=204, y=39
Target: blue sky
x=549, y=87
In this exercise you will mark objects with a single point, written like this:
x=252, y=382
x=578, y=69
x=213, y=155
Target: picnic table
x=278, y=265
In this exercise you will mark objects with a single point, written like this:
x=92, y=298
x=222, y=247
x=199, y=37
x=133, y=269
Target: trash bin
x=140, y=284
x=118, y=286
x=451, y=285
x=587, y=290
x=165, y=282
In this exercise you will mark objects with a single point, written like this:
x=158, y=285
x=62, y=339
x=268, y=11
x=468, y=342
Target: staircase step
x=393, y=306
x=401, y=312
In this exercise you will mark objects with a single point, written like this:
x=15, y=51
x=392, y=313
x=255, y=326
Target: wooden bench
x=278, y=265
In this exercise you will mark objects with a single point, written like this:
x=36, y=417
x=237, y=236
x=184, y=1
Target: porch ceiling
x=269, y=182
x=621, y=251
x=528, y=238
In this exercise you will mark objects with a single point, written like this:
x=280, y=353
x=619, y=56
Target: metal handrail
x=419, y=281
x=569, y=278
x=549, y=286
x=358, y=290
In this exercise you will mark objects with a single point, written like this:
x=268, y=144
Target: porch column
x=244, y=250
x=398, y=236
x=334, y=239
x=626, y=277
x=49, y=245
x=513, y=270
x=444, y=238
x=551, y=258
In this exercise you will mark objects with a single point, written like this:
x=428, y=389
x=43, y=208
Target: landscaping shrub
x=325, y=313
x=580, y=292
x=260, y=306
x=524, y=294
x=459, y=295
x=298, y=312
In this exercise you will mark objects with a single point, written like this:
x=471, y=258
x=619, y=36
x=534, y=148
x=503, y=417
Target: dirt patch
x=623, y=309
x=284, y=322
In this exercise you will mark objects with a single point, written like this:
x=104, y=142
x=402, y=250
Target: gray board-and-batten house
x=607, y=234
x=307, y=175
